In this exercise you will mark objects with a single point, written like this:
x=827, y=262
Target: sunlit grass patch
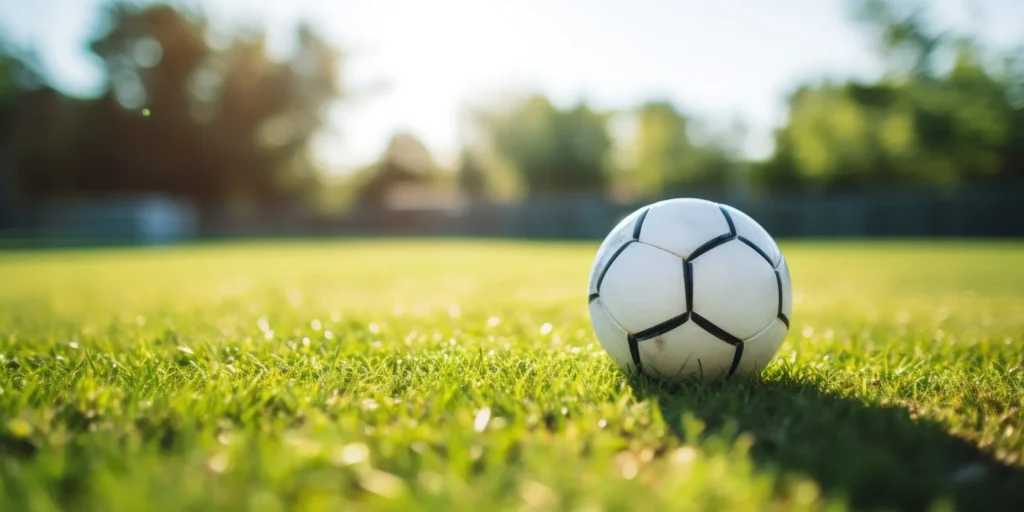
x=464, y=376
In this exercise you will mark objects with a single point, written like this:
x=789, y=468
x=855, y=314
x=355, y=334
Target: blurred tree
x=1013, y=76
x=405, y=161
x=37, y=126
x=217, y=126
x=18, y=80
x=963, y=121
x=150, y=54
x=19, y=73
x=960, y=116
x=921, y=122
x=269, y=112
x=666, y=160
x=554, y=151
x=902, y=36
x=472, y=176
x=840, y=135
x=662, y=148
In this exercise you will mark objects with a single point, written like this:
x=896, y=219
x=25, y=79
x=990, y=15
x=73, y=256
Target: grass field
x=464, y=376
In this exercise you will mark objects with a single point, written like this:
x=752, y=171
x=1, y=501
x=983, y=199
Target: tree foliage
x=665, y=158
x=18, y=74
x=472, y=176
x=405, y=160
x=554, y=150
x=183, y=118
x=922, y=122
x=227, y=124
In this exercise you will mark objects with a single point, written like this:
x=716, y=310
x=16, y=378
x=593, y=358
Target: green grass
x=464, y=376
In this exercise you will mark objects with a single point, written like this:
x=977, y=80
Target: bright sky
x=714, y=58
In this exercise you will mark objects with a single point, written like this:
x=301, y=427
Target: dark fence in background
x=975, y=212
x=992, y=211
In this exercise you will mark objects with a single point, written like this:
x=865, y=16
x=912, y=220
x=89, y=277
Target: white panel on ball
x=686, y=352
x=644, y=287
x=787, y=288
x=622, y=233
x=681, y=225
x=759, y=350
x=735, y=288
x=612, y=337
x=748, y=228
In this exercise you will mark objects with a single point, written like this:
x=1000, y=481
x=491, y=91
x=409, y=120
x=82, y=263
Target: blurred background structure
x=154, y=122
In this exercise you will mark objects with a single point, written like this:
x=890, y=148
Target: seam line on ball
x=634, y=351
x=754, y=246
x=611, y=260
x=688, y=284
x=640, y=224
x=593, y=297
x=778, y=280
x=736, y=359
x=785, y=319
x=662, y=328
x=710, y=244
x=728, y=218
x=715, y=330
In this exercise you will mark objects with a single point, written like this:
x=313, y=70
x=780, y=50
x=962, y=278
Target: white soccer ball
x=688, y=288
